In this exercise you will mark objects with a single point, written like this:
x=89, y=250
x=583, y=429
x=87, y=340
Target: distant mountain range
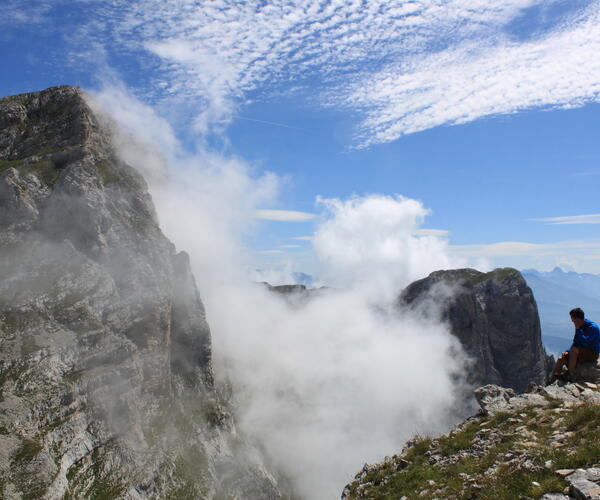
x=556, y=293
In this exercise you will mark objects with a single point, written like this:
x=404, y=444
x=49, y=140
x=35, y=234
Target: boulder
x=587, y=372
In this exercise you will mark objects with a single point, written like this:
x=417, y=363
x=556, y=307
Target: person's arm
x=595, y=338
x=576, y=339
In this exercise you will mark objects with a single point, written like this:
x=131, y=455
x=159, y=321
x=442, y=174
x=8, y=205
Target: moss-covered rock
x=502, y=456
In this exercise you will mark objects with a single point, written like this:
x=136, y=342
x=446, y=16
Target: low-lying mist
x=341, y=379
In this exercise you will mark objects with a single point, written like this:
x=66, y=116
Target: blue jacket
x=588, y=336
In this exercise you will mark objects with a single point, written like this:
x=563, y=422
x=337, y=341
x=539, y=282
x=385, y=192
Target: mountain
x=494, y=316
x=544, y=444
x=106, y=378
x=556, y=293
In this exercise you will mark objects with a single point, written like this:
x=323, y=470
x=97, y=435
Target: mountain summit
x=494, y=316
x=106, y=378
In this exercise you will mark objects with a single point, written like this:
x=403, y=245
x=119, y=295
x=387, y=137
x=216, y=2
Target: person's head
x=577, y=316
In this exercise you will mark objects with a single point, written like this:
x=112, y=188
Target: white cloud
x=404, y=66
x=201, y=195
x=374, y=239
x=284, y=215
x=431, y=232
x=571, y=219
x=13, y=13
x=271, y=252
x=289, y=246
x=481, y=77
x=321, y=387
x=303, y=238
x=514, y=248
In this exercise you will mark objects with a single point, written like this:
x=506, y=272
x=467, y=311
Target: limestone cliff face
x=106, y=378
x=495, y=317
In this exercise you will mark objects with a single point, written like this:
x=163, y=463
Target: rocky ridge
x=494, y=315
x=541, y=444
x=106, y=382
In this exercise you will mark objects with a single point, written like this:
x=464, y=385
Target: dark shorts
x=585, y=355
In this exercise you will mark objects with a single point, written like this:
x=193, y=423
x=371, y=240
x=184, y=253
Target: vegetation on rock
x=505, y=455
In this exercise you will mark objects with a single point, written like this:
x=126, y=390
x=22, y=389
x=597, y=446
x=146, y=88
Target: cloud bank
x=375, y=240
x=330, y=382
x=322, y=385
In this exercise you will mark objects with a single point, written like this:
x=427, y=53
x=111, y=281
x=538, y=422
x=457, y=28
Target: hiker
x=585, y=348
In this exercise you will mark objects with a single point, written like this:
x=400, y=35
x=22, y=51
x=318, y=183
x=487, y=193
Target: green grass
x=495, y=477
x=44, y=170
x=6, y=164
x=188, y=475
x=582, y=416
x=111, y=173
x=475, y=278
x=28, y=345
x=459, y=441
x=29, y=485
x=73, y=377
x=107, y=172
x=29, y=448
x=93, y=479
x=9, y=322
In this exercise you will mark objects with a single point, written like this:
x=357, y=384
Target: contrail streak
x=272, y=123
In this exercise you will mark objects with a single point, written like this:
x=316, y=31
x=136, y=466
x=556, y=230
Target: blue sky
x=487, y=112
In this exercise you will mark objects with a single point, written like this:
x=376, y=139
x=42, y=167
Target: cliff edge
x=540, y=445
x=106, y=383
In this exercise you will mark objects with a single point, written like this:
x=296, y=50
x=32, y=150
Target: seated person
x=585, y=348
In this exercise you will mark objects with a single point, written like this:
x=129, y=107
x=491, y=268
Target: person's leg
x=586, y=356
x=573, y=355
x=560, y=362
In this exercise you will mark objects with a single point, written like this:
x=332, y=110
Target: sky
x=367, y=143
x=487, y=113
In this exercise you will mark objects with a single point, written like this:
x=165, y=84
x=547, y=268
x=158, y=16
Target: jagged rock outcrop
x=288, y=289
x=495, y=317
x=296, y=295
x=544, y=444
x=106, y=383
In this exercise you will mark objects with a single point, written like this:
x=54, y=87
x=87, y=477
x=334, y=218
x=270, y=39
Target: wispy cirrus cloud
x=284, y=215
x=431, y=232
x=13, y=13
x=521, y=248
x=402, y=66
x=479, y=78
x=571, y=219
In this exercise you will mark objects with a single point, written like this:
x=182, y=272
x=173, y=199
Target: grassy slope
x=506, y=456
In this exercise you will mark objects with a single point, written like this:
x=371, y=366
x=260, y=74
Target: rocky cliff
x=544, y=444
x=495, y=317
x=106, y=379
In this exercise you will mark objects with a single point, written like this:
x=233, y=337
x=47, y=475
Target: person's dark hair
x=577, y=313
